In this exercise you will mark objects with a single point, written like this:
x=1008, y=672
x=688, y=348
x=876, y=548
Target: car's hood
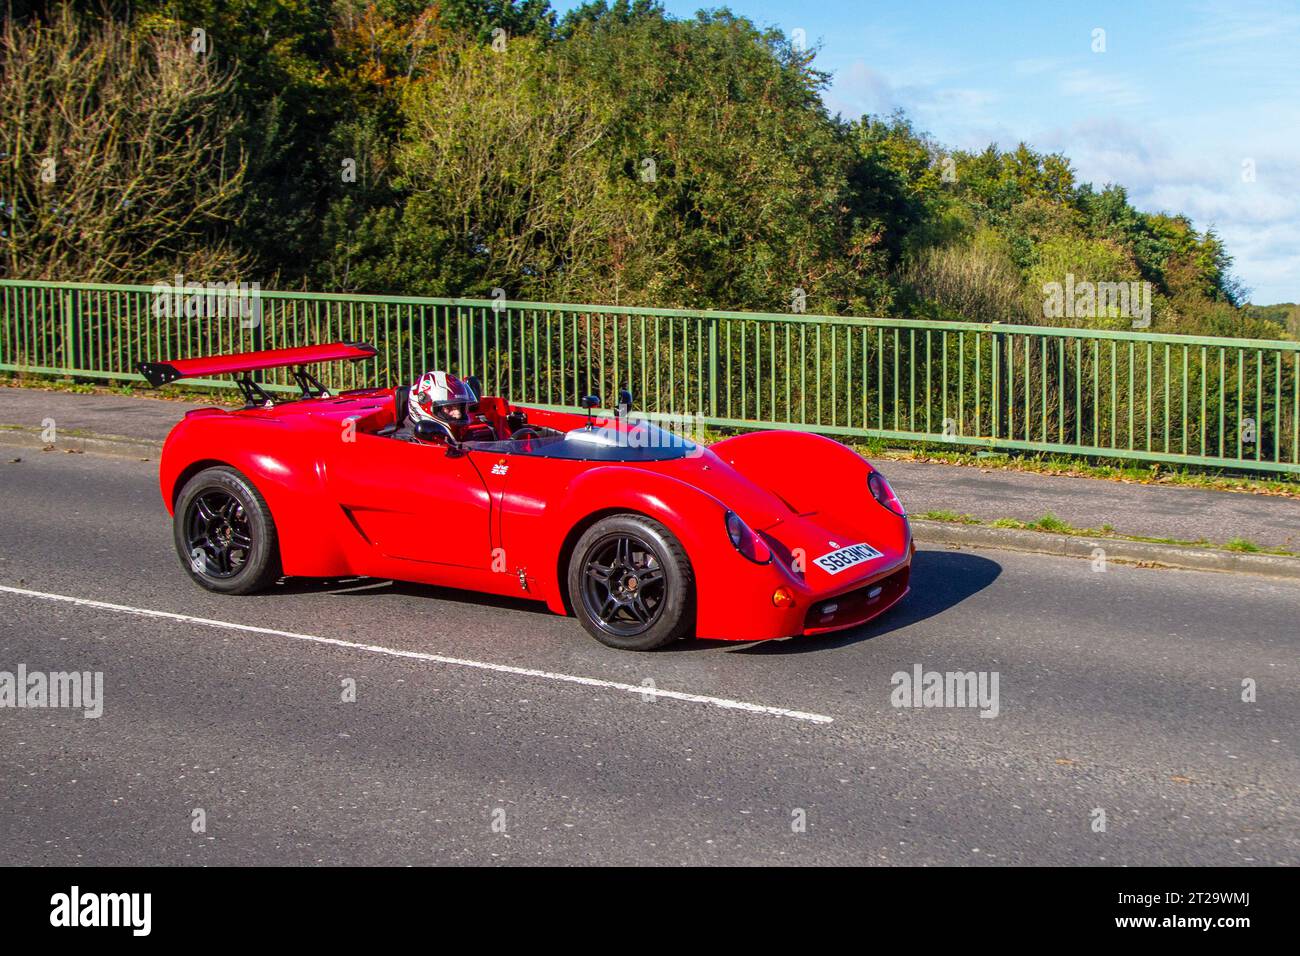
x=839, y=519
x=758, y=507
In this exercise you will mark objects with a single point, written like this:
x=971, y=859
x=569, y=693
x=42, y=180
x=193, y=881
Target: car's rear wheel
x=224, y=534
x=631, y=585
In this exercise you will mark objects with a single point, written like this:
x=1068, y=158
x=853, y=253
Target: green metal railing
x=1224, y=402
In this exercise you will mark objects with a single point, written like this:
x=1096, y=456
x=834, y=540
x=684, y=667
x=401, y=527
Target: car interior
x=490, y=420
x=495, y=427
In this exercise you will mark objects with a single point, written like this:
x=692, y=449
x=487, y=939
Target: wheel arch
x=189, y=471
x=579, y=528
x=681, y=508
x=284, y=466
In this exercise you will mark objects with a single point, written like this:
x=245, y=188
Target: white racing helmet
x=441, y=397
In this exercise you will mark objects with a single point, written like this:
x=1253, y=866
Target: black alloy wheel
x=631, y=584
x=224, y=534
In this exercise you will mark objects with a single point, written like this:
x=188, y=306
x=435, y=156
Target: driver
x=443, y=398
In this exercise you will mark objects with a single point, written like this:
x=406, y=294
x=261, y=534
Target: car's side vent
x=352, y=520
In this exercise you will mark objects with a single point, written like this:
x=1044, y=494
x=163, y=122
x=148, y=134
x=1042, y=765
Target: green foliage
x=479, y=18
x=617, y=154
x=91, y=184
x=1049, y=522
x=1286, y=316
x=971, y=279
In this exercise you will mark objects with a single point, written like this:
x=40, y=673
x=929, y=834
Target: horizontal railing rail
x=1155, y=397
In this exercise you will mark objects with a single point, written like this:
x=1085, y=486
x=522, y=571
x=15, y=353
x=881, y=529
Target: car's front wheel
x=631, y=585
x=224, y=534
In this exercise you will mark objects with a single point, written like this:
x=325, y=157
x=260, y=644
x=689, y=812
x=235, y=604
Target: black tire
x=224, y=533
x=631, y=585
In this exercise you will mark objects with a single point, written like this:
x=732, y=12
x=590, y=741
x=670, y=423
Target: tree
x=93, y=186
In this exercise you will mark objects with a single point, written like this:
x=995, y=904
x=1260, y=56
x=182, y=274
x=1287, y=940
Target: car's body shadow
x=940, y=580
x=366, y=587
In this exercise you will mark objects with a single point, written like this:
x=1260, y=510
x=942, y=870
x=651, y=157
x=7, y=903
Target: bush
x=116, y=159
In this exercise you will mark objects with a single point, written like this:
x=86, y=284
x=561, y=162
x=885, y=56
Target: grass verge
x=1051, y=524
x=1122, y=471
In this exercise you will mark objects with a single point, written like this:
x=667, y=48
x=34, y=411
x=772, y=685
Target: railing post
x=69, y=335
x=996, y=375
x=713, y=366
x=462, y=354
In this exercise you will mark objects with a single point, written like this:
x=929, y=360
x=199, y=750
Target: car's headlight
x=746, y=541
x=884, y=494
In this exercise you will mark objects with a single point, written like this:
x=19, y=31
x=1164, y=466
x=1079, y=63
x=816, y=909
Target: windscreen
x=639, y=442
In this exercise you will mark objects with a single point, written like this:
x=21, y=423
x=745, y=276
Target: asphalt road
x=1118, y=691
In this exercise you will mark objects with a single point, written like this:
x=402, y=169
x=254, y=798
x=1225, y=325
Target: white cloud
x=1171, y=118
x=1256, y=220
x=1102, y=89
x=859, y=89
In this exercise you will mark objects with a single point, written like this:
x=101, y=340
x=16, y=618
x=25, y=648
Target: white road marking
x=644, y=691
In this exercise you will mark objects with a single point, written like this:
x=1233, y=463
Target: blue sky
x=1182, y=97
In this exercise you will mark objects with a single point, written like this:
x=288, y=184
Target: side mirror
x=589, y=402
x=476, y=386
x=624, y=406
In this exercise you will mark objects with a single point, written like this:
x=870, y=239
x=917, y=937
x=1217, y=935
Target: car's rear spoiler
x=162, y=373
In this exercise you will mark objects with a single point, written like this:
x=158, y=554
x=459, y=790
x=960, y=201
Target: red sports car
x=643, y=535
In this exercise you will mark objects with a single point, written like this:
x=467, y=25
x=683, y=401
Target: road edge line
x=600, y=682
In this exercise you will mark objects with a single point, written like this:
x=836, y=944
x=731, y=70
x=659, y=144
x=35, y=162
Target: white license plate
x=837, y=561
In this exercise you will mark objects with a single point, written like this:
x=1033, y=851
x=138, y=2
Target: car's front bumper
x=749, y=613
x=858, y=605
